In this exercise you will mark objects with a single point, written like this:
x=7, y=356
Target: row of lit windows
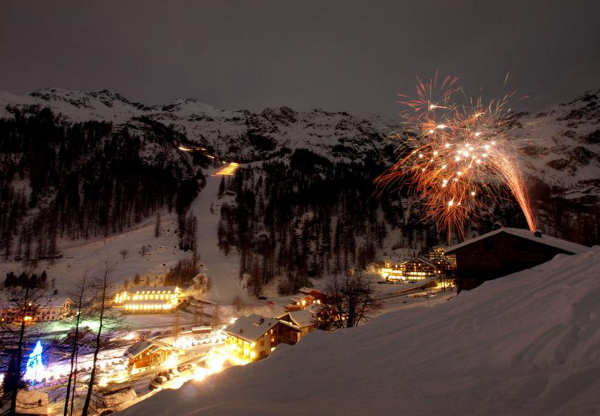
x=146, y=295
x=149, y=306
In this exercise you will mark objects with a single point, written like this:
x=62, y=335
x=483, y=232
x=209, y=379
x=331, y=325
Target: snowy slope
x=522, y=345
x=90, y=257
x=222, y=270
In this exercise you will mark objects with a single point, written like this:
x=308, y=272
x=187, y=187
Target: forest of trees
x=305, y=219
x=81, y=180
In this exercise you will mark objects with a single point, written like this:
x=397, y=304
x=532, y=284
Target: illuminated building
x=306, y=298
x=148, y=299
x=254, y=337
x=446, y=263
x=148, y=354
x=410, y=270
x=303, y=322
x=46, y=310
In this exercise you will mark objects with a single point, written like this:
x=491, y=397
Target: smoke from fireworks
x=461, y=157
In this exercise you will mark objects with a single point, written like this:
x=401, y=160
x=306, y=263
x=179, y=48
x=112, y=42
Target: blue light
x=36, y=371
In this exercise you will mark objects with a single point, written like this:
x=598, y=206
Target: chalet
x=148, y=354
x=148, y=299
x=411, y=270
x=254, y=337
x=505, y=251
x=302, y=321
x=446, y=263
x=306, y=298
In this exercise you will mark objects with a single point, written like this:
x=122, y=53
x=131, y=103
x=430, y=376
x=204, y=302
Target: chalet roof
x=251, y=327
x=301, y=318
x=152, y=288
x=421, y=260
x=558, y=243
x=142, y=346
x=148, y=302
x=137, y=348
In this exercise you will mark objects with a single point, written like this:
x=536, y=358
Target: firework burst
x=459, y=158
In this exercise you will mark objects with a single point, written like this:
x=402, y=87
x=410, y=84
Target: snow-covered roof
x=302, y=318
x=251, y=327
x=148, y=302
x=142, y=346
x=137, y=348
x=152, y=288
x=558, y=243
x=306, y=290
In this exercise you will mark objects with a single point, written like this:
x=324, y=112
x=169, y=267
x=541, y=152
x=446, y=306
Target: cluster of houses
x=436, y=265
x=49, y=309
x=249, y=338
x=489, y=256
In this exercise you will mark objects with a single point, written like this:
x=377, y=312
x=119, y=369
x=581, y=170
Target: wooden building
x=303, y=322
x=305, y=299
x=148, y=354
x=505, y=251
x=446, y=263
x=254, y=337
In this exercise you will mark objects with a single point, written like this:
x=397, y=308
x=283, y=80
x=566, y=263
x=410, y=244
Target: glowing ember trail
x=459, y=159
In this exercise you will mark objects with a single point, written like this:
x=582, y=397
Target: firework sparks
x=461, y=158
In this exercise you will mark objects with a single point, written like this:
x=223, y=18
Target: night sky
x=338, y=55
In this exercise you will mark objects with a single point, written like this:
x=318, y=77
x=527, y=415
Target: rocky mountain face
x=77, y=164
x=560, y=156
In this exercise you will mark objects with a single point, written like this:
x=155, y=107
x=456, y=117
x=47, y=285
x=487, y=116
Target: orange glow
x=462, y=158
x=228, y=170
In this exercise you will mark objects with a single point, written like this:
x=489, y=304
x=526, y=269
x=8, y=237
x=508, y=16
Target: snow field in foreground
x=525, y=344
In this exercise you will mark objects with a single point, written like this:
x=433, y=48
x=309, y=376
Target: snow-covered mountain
x=86, y=160
x=561, y=147
x=240, y=135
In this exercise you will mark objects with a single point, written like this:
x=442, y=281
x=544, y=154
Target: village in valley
x=289, y=209
x=160, y=337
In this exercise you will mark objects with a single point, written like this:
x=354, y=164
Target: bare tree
x=103, y=290
x=216, y=316
x=74, y=350
x=349, y=302
x=157, y=228
x=25, y=298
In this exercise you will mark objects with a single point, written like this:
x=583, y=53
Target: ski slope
x=525, y=344
x=222, y=270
